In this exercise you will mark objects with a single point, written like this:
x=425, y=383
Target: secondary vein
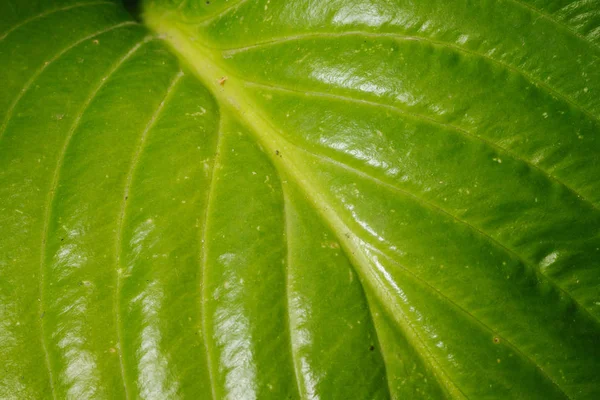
x=204, y=255
x=426, y=119
x=38, y=72
x=118, y=243
x=54, y=185
x=53, y=11
x=228, y=52
x=555, y=21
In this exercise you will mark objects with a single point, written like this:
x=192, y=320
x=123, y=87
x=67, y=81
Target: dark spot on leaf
x=496, y=339
x=371, y=348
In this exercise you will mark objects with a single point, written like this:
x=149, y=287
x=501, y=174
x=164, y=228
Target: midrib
x=231, y=95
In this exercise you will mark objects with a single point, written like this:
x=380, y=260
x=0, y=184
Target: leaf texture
x=259, y=199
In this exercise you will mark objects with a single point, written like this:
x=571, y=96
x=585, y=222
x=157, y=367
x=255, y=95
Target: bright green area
x=268, y=199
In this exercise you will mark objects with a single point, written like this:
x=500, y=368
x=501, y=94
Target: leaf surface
x=320, y=200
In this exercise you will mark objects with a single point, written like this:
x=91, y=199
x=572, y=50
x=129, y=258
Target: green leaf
x=256, y=199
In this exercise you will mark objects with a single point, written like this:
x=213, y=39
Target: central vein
x=231, y=94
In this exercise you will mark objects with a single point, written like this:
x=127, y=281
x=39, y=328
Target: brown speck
x=371, y=348
x=95, y=41
x=496, y=339
x=222, y=81
x=112, y=350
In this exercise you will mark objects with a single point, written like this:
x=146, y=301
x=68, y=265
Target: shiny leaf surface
x=265, y=199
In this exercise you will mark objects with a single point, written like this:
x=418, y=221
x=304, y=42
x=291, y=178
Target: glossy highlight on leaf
x=268, y=199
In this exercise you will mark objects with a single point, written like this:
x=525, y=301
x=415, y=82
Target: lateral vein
x=37, y=73
x=118, y=243
x=548, y=17
x=53, y=11
x=54, y=185
x=204, y=257
x=228, y=52
x=426, y=119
